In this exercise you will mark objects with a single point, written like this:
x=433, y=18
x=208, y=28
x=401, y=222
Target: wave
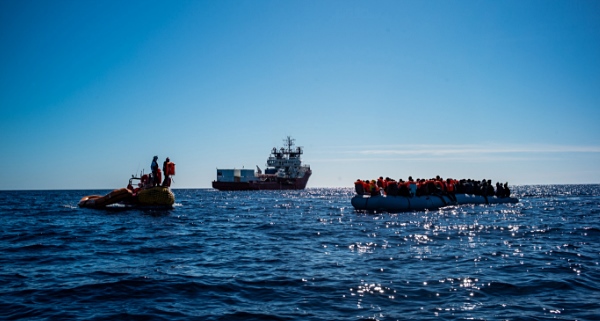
x=303, y=255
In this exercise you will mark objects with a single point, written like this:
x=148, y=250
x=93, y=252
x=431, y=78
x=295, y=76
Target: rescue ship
x=284, y=171
x=145, y=194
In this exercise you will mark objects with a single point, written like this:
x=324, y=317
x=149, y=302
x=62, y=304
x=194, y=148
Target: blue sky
x=505, y=90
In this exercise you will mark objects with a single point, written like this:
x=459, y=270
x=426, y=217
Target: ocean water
x=300, y=255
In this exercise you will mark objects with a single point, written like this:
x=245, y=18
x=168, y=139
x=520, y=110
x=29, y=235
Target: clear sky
x=505, y=90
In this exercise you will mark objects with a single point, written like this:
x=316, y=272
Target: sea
x=300, y=255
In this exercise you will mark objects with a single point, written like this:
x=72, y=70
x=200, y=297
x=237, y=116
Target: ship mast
x=289, y=142
x=286, y=158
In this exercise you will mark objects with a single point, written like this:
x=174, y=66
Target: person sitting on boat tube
x=506, y=190
x=391, y=187
x=374, y=189
x=451, y=188
x=359, y=187
x=381, y=183
x=412, y=186
x=367, y=186
x=155, y=170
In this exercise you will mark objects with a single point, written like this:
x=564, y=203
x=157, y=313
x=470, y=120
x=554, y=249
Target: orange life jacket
x=441, y=185
x=158, y=175
x=170, y=169
x=381, y=183
x=366, y=186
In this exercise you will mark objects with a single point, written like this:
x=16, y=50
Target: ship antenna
x=289, y=142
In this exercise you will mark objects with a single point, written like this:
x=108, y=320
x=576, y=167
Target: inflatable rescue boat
x=158, y=196
x=144, y=195
x=382, y=203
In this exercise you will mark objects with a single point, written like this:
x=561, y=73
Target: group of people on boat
x=168, y=169
x=154, y=179
x=432, y=186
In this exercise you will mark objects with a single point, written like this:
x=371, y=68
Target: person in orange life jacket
x=428, y=186
x=449, y=186
x=374, y=189
x=167, y=180
x=359, y=187
x=381, y=183
x=403, y=188
x=421, y=187
x=367, y=186
x=439, y=183
x=155, y=169
x=387, y=181
x=391, y=187
x=450, y=189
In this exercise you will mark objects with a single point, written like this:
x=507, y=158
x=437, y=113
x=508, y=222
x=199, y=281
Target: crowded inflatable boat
x=426, y=194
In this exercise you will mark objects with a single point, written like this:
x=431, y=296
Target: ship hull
x=281, y=184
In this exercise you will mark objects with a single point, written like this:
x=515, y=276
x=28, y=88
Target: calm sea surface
x=300, y=255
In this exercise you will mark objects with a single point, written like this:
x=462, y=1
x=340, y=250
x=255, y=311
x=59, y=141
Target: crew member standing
x=154, y=168
x=167, y=173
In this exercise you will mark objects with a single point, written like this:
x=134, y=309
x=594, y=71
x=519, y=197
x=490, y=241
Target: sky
x=91, y=90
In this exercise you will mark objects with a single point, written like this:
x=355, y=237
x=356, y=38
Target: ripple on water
x=300, y=255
